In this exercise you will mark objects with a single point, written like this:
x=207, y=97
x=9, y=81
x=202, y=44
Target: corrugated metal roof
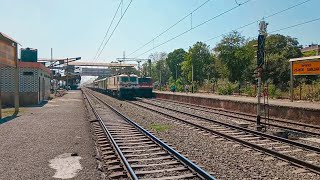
x=305, y=58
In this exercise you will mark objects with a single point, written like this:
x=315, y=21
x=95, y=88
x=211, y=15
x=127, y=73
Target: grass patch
x=160, y=127
x=10, y=111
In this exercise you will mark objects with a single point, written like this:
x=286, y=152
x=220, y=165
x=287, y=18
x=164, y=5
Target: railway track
x=304, y=156
x=129, y=151
x=283, y=124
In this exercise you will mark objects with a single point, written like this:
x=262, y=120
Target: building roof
x=100, y=64
x=310, y=48
x=305, y=58
x=4, y=36
x=34, y=65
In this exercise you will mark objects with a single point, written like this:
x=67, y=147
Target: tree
x=200, y=58
x=234, y=55
x=279, y=49
x=174, y=61
x=159, y=69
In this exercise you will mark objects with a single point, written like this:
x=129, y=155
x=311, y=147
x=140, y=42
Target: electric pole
x=150, y=67
x=176, y=71
x=260, y=62
x=192, y=77
x=67, y=74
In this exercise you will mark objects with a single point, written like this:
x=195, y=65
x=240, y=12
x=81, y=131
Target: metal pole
x=260, y=62
x=67, y=76
x=259, y=100
x=150, y=67
x=176, y=71
x=160, y=80
x=291, y=82
x=16, y=81
x=139, y=68
x=192, y=76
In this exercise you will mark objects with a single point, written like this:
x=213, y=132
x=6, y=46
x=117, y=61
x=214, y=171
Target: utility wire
x=114, y=29
x=269, y=16
x=105, y=36
x=288, y=27
x=299, y=24
x=189, y=14
x=195, y=27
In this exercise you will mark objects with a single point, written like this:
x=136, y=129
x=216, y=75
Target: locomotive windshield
x=144, y=80
x=133, y=79
x=124, y=79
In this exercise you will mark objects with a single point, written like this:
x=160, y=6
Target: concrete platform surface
x=48, y=142
x=276, y=102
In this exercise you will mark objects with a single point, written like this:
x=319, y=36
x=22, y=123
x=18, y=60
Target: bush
x=249, y=91
x=274, y=93
x=310, y=92
x=227, y=88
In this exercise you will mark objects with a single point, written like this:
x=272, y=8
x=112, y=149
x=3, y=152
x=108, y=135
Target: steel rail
x=115, y=145
x=301, y=145
x=293, y=160
x=179, y=156
x=245, y=119
x=241, y=113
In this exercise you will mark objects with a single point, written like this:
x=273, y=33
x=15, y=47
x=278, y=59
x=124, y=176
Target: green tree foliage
x=200, y=58
x=174, y=60
x=279, y=49
x=145, y=69
x=159, y=69
x=234, y=55
x=310, y=53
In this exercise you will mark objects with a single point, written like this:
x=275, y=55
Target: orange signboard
x=306, y=68
x=6, y=54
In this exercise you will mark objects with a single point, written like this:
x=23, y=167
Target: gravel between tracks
x=232, y=120
x=225, y=159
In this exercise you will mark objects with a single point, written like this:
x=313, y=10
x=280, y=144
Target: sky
x=76, y=28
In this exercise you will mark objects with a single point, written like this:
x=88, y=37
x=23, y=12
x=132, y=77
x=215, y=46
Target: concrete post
x=16, y=81
x=0, y=95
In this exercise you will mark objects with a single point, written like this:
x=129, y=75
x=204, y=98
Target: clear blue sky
x=76, y=27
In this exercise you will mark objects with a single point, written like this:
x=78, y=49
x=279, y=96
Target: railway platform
x=48, y=141
x=307, y=112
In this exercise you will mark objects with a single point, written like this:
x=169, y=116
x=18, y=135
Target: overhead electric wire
x=105, y=36
x=295, y=25
x=269, y=16
x=114, y=29
x=170, y=27
x=194, y=27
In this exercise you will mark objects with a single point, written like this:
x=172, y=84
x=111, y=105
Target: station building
x=34, y=81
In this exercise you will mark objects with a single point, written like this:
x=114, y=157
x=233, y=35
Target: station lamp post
x=177, y=71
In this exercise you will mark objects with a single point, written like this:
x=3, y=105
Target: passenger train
x=125, y=86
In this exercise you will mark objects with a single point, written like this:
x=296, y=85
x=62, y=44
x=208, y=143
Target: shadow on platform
x=38, y=105
x=8, y=118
